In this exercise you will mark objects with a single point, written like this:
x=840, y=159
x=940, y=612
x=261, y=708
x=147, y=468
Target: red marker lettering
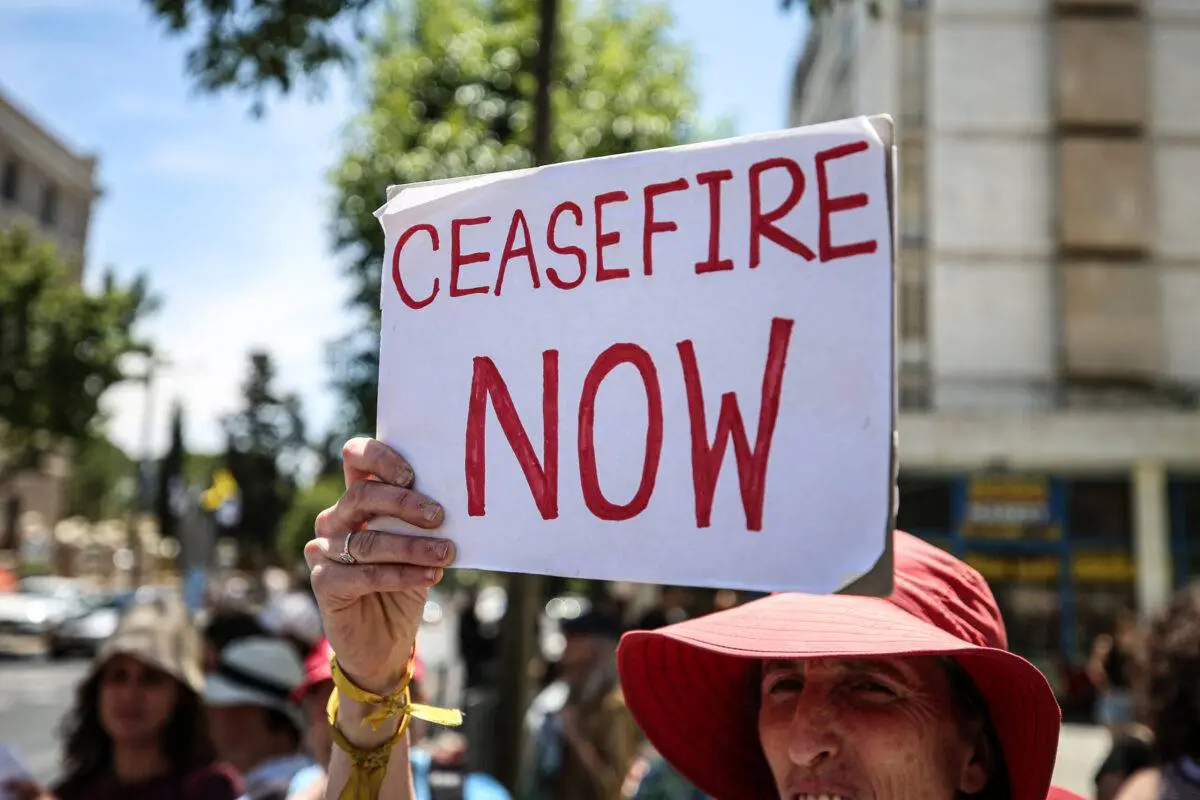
x=592, y=495
x=526, y=250
x=831, y=205
x=652, y=226
x=568, y=250
x=763, y=224
x=397, y=279
x=714, y=262
x=541, y=477
x=751, y=465
x=607, y=238
x=459, y=259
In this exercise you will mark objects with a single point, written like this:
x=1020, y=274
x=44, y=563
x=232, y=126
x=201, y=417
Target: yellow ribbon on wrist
x=369, y=767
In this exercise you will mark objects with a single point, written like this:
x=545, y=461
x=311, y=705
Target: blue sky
x=230, y=215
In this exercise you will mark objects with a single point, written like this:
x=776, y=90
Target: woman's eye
x=875, y=688
x=784, y=685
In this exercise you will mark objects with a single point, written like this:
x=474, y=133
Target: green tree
x=297, y=526
x=450, y=92
x=263, y=442
x=170, y=478
x=260, y=45
x=61, y=348
x=818, y=7
x=101, y=484
x=198, y=468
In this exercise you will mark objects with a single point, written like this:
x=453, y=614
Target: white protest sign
x=673, y=366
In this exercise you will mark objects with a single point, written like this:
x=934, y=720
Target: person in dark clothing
x=1130, y=753
x=584, y=750
x=138, y=729
x=226, y=626
x=476, y=645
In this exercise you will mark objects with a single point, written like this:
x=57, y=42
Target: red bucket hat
x=693, y=686
x=317, y=669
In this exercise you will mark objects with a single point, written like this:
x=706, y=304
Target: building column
x=1151, y=536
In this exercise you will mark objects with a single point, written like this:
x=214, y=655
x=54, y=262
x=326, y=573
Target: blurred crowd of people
x=220, y=706
x=232, y=704
x=1148, y=683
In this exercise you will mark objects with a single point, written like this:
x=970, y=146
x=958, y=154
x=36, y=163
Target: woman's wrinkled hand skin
x=372, y=609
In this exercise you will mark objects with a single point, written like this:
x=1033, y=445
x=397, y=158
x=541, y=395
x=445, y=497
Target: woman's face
x=867, y=730
x=136, y=700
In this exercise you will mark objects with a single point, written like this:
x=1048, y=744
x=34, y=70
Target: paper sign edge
x=879, y=580
x=871, y=122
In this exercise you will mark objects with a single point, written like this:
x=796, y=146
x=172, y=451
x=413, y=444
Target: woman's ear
x=977, y=767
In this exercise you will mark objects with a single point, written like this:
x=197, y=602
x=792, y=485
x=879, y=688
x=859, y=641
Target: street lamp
x=141, y=499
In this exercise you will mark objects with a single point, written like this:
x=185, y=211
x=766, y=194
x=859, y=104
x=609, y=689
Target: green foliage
x=819, y=7
x=263, y=440
x=449, y=92
x=61, y=348
x=258, y=45
x=297, y=526
x=102, y=480
x=169, y=477
x=198, y=468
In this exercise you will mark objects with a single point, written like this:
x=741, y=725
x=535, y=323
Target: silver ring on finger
x=346, y=557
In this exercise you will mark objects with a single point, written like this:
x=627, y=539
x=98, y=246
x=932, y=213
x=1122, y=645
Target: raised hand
x=371, y=586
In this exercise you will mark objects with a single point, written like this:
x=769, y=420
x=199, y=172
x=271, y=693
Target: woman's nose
x=814, y=736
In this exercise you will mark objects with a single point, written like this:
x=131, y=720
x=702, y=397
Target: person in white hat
x=137, y=727
x=256, y=726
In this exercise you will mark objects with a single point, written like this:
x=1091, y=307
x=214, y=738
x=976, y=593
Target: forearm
x=397, y=783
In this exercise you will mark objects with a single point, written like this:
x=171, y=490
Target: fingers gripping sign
x=371, y=586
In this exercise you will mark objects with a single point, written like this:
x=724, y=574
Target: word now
x=542, y=474
x=763, y=224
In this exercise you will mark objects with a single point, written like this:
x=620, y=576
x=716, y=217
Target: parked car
x=84, y=632
x=39, y=604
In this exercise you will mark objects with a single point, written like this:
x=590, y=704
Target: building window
x=913, y=5
x=1100, y=511
x=912, y=193
x=10, y=181
x=912, y=309
x=915, y=394
x=1186, y=531
x=49, y=210
x=926, y=506
x=912, y=74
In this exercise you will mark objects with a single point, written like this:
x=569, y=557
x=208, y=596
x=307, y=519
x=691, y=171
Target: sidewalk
x=1081, y=748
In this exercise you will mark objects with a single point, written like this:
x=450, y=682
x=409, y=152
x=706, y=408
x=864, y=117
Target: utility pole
x=518, y=640
x=142, y=499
